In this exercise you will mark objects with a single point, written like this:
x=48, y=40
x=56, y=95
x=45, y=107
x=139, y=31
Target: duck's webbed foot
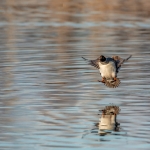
x=115, y=78
x=103, y=80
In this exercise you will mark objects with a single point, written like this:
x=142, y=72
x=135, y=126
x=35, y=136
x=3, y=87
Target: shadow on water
x=48, y=95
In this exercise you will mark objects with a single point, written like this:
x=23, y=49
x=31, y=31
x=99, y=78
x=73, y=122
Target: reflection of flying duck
x=108, y=68
x=108, y=120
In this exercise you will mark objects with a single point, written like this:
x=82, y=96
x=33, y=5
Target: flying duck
x=108, y=68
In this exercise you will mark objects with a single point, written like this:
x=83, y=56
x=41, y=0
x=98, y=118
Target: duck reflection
x=108, y=120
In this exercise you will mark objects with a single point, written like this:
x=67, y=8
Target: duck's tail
x=112, y=83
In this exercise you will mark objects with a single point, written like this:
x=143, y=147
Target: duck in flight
x=108, y=68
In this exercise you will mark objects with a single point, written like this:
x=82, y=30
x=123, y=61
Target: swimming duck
x=108, y=68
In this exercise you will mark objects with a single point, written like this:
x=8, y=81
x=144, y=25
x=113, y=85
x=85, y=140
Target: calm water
x=49, y=96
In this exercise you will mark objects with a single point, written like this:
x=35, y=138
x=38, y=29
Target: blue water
x=49, y=96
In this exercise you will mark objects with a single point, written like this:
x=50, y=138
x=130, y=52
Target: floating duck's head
x=102, y=58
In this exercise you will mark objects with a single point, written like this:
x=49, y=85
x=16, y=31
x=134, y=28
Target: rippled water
x=50, y=98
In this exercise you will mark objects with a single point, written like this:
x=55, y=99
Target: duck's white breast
x=108, y=70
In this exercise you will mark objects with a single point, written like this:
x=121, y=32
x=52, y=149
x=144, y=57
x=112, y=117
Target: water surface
x=49, y=96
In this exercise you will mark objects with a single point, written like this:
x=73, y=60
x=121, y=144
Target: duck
x=109, y=68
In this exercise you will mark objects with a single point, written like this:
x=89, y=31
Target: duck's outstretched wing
x=94, y=63
x=119, y=61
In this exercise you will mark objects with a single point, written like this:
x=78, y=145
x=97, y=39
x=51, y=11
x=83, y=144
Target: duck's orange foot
x=115, y=79
x=103, y=80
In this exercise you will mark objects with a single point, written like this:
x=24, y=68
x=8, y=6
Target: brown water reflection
x=49, y=96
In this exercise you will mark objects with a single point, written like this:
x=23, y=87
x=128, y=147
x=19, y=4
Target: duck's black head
x=102, y=58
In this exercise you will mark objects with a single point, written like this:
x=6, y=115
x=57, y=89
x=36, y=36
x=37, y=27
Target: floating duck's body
x=108, y=68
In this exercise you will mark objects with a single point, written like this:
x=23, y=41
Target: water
x=49, y=97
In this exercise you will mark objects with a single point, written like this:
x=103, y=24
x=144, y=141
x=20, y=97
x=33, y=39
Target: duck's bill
x=111, y=83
